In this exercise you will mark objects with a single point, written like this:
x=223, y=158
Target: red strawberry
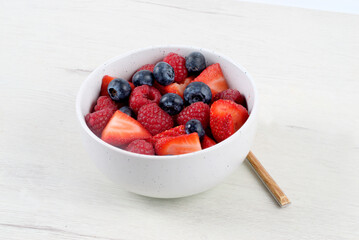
x=143, y=95
x=148, y=67
x=104, y=102
x=154, y=119
x=177, y=88
x=97, y=121
x=231, y=94
x=226, y=118
x=207, y=142
x=178, y=145
x=123, y=129
x=197, y=110
x=105, y=81
x=179, y=66
x=213, y=77
x=173, y=132
x=132, y=86
x=141, y=147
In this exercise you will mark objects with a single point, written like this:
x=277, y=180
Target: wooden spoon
x=268, y=181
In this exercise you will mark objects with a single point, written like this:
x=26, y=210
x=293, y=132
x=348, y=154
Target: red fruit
x=173, y=132
x=178, y=145
x=154, y=119
x=197, y=110
x=141, y=147
x=231, y=94
x=226, y=118
x=105, y=81
x=177, y=88
x=213, y=77
x=123, y=129
x=207, y=142
x=143, y=95
x=104, y=102
x=132, y=86
x=97, y=121
x=148, y=67
x=179, y=66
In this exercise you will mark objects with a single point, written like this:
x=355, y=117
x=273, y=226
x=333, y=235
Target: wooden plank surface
x=305, y=65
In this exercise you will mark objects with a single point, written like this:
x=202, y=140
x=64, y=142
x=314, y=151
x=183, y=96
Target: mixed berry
x=172, y=107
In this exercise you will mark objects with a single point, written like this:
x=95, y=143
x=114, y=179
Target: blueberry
x=171, y=103
x=195, y=63
x=127, y=110
x=164, y=73
x=143, y=77
x=197, y=92
x=119, y=89
x=194, y=125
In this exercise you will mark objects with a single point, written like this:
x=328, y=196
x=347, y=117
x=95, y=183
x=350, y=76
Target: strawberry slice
x=173, y=132
x=213, y=77
x=226, y=117
x=177, y=87
x=105, y=81
x=123, y=129
x=178, y=145
x=207, y=142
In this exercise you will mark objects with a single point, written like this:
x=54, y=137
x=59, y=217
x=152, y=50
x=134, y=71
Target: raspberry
x=197, y=110
x=98, y=120
x=179, y=65
x=141, y=147
x=231, y=94
x=104, y=102
x=148, y=67
x=142, y=96
x=154, y=119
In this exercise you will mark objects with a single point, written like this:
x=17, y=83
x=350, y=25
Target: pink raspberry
x=154, y=119
x=141, y=147
x=143, y=95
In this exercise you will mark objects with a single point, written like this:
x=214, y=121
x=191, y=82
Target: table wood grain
x=306, y=67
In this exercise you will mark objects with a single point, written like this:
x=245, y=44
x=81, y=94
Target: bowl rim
x=84, y=126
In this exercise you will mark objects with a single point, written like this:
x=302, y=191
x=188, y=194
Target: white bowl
x=167, y=176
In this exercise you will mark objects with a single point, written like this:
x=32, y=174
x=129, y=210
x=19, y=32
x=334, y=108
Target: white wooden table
x=306, y=67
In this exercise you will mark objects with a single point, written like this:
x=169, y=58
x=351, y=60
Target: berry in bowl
x=168, y=121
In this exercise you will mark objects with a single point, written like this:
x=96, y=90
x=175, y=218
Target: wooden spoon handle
x=268, y=181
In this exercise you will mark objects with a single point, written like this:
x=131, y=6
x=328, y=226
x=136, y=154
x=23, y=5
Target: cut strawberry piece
x=123, y=129
x=178, y=88
x=173, y=132
x=105, y=81
x=226, y=117
x=178, y=145
x=213, y=77
x=207, y=142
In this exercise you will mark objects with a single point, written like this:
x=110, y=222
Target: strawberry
x=141, y=147
x=197, y=110
x=226, y=117
x=213, y=77
x=179, y=66
x=207, y=142
x=97, y=121
x=173, y=132
x=105, y=81
x=123, y=129
x=178, y=145
x=178, y=88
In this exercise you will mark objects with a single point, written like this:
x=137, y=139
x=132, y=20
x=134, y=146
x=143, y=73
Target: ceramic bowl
x=167, y=176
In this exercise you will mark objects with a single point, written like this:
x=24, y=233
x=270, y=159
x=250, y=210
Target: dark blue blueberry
x=194, y=125
x=195, y=63
x=127, y=110
x=119, y=89
x=164, y=73
x=171, y=103
x=197, y=92
x=143, y=77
